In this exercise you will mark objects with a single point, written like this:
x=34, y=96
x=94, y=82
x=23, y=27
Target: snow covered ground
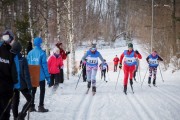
x=155, y=103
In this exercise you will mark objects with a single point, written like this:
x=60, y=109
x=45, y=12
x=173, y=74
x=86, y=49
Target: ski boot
x=32, y=108
x=125, y=89
x=21, y=116
x=42, y=109
x=94, y=89
x=89, y=85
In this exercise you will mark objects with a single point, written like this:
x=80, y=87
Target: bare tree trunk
x=58, y=20
x=46, y=11
x=174, y=43
x=30, y=20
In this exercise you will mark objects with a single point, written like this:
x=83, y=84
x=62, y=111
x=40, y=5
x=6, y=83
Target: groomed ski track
x=147, y=103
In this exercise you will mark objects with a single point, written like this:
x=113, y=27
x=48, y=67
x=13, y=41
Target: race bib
x=104, y=67
x=92, y=60
x=130, y=60
x=153, y=61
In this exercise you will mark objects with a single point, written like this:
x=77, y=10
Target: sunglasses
x=93, y=49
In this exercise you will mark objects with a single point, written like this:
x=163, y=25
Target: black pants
x=42, y=93
x=115, y=68
x=61, y=76
x=4, y=100
x=84, y=74
x=103, y=73
x=15, y=102
x=55, y=79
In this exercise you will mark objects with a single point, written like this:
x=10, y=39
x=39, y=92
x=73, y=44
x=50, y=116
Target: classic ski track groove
x=168, y=96
x=151, y=115
x=84, y=105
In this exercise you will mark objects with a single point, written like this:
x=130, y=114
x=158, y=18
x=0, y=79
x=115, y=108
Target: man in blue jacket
x=38, y=57
x=24, y=83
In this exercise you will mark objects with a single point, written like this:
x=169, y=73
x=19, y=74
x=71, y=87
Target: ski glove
x=137, y=52
x=67, y=53
x=120, y=65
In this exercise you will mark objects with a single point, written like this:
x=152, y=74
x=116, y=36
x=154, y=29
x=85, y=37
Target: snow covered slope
x=155, y=103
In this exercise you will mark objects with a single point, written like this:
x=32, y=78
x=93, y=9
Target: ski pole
x=117, y=78
x=1, y=116
x=144, y=77
x=139, y=74
x=161, y=73
x=79, y=79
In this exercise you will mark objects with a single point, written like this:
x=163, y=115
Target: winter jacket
x=153, y=60
x=38, y=57
x=54, y=64
x=8, y=72
x=92, y=58
x=23, y=73
x=104, y=66
x=63, y=54
x=130, y=57
x=116, y=60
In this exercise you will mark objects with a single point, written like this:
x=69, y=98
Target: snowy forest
x=156, y=23
x=90, y=60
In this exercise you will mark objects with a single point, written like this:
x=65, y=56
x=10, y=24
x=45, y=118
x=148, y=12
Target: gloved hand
x=137, y=52
x=120, y=65
x=68, y=52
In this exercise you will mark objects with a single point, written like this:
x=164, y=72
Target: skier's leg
x=93, y=78
x=126, y=74
x=154, y=74
x=105, y=75
x=88, y=73
x=84, y=75
x=150, y=75
x=131, y=73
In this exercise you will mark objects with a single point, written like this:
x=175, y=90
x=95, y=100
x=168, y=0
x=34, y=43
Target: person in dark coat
x=24, y=83
x=64, y=56
x=8, y=74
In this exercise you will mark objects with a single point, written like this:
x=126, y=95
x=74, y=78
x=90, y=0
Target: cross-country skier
x=83, y=66
x=152, y=60
x=104, y=67
x=116, y=60
x=129, y=64
x=92, y=56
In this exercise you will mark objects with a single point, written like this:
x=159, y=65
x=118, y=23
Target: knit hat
x=7, y=36
x=37, y=41
x=16, y=47
x=130, y=45
x=93, y=46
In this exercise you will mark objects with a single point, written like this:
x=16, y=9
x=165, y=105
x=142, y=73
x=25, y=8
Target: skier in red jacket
x=116, y=60
x=129, y=64
x=55, y=62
